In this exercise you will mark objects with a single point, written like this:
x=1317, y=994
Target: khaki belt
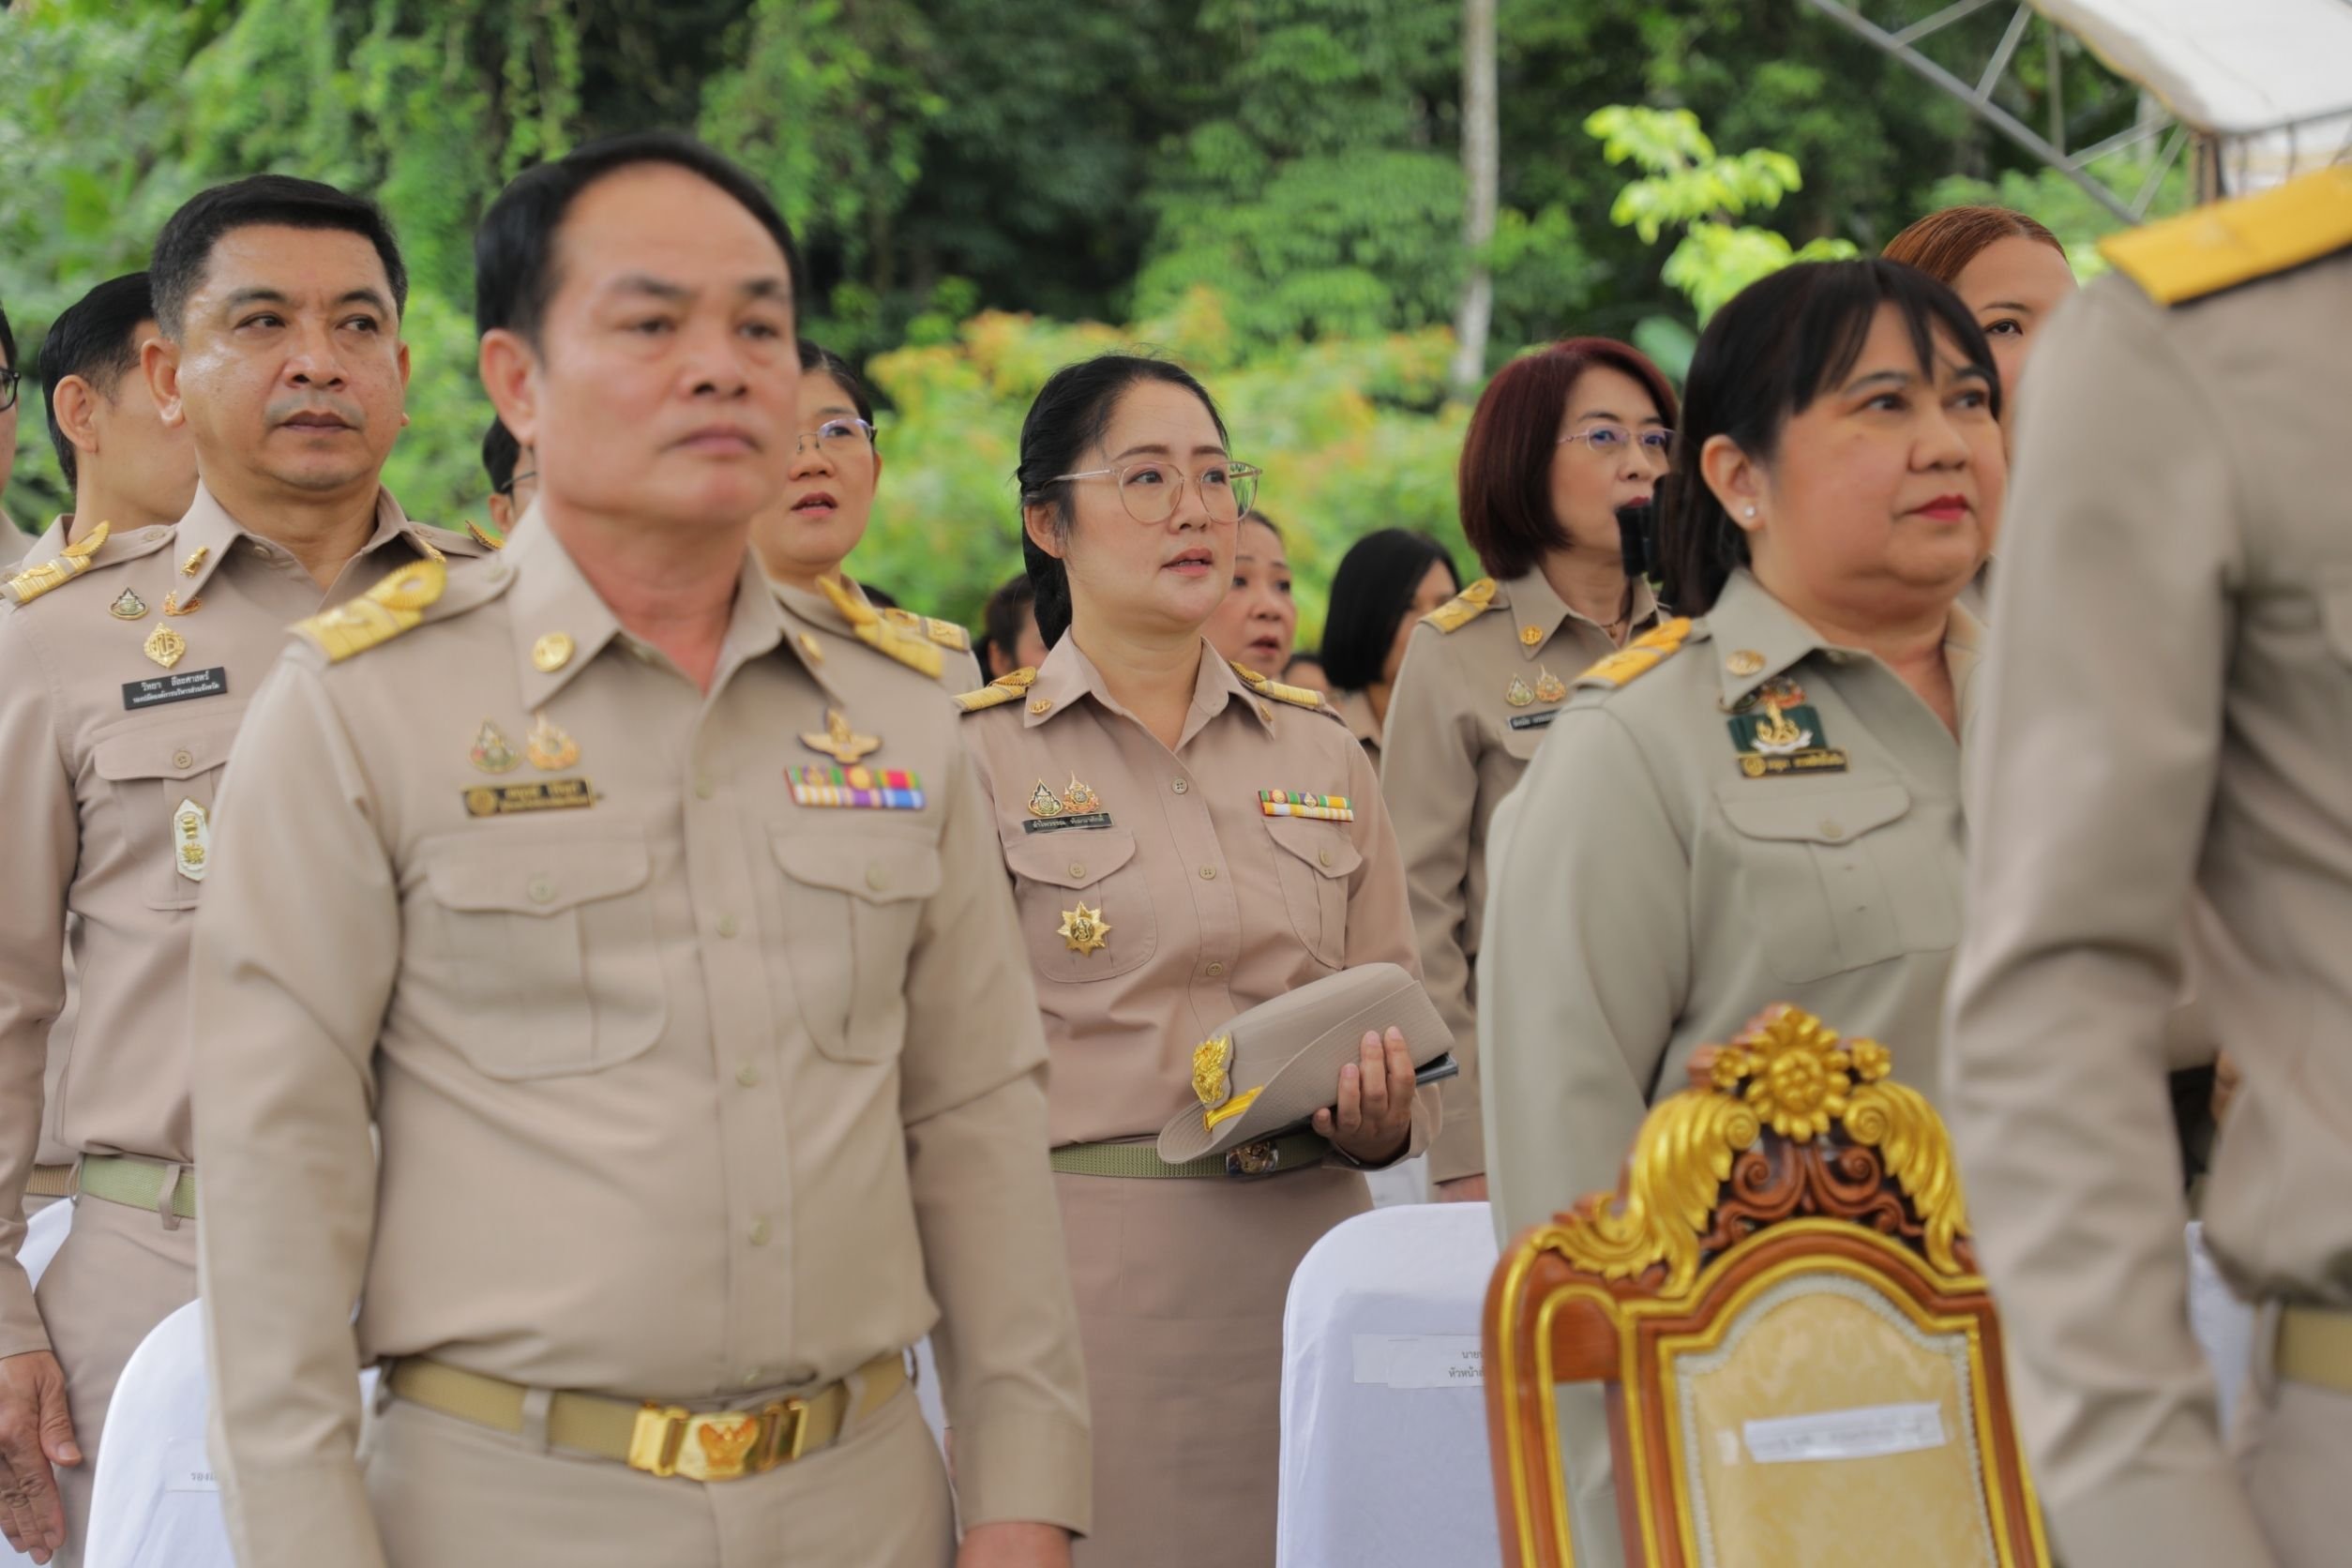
x=660, y=1440
x=50, y=1181
x=2315, y=1347
x=135, y=1184
x=1267, y=1156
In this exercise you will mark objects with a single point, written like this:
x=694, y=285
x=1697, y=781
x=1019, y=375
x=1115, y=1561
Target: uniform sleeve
x=2090, y=782
x=298, y=943
x=1429, y=769
x=1380, y=916
x=39, y=837
x=1584, y=968
x=973, y=1100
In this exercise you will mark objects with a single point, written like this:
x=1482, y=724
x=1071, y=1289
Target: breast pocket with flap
x=1084, y=903
x=1314, y=860
x=1833, y=878
x=154, y=772
x=853, y=906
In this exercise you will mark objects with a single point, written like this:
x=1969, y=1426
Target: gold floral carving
x=1819, y=1096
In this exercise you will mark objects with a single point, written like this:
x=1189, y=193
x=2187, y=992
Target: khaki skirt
x=1181, y=1285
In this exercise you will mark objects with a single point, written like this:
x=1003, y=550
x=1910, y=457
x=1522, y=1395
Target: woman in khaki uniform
x=1559, y=441
x=1187, y=839
x=1386, y=583
x=1762, y=803
x=828, y=500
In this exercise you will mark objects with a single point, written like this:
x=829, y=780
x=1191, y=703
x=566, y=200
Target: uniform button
x=1077, y=868
x=727, y=927
x=1324, y=858
x=1834, y=657
x=1207, y=873
x=704, y=786
x=1215, y=968
x=542, y=890
x=748, y=1074
x=758, y=1232
x=257, y=547
x=877, y=878
x=1179, y=786
x=182, y=759
x=1832, y=830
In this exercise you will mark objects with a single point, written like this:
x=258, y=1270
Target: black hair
x=500, y=452
x=1369, y=595
x=1780, y=343
x=94, y=338
x=1254, y=515
x=514, y=249
x=816, y=356
x=1000, y=619
x=1071, y=412
x=184, y=248
x=7, y=338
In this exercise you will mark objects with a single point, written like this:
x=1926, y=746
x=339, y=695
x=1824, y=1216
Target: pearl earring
x=1749, y=512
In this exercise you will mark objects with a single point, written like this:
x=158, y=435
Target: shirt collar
x=206, y=535
x=1754, y=636
x=1068, y=675
x=1537, y=613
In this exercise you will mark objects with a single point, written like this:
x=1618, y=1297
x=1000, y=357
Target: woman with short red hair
x=1561, y=441
x=2010, y=271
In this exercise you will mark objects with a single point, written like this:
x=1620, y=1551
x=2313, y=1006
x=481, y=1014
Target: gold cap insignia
x=128, y=606
x=1212, y=1081
x=1085, y=929
x=839, y=742
x=165, y=646
x=552, y=651
x=549, y=747
x=492, y=751
x=1548, y=686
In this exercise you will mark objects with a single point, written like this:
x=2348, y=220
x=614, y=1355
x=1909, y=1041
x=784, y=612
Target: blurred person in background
x=514, y=476
x=1559, y=441
x=2010, y=271
x=124, y=466
x=1258, y=622
x=1305, y=670
x=11, y=381
x=1008, y=635
x=827, y=502
x=1386, y=583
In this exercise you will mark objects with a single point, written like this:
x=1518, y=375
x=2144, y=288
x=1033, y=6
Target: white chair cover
x=2225, y=1326
x=156, y=1504
x=1383, y=1412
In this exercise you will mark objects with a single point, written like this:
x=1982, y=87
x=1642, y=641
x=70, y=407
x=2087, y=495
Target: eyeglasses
x=1151, y=492
x=1611, y=441
x=838, y=438
x=507, y=489
x=8, y=380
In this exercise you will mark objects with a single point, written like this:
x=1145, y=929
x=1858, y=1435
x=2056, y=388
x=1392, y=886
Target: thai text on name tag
x=1419, y=1359
x=1865, y=1432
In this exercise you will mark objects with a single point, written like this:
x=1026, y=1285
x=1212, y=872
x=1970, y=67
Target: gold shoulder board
x=1639, y=657
x=2221, y=246
x=32, y=582
x=482, y=537
x=1005, y=688
x=379, y=615
x=1464, y=607
x=947, y=634
x=1275, y=689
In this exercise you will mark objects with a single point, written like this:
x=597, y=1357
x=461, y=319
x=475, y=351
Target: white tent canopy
x=2228, y=68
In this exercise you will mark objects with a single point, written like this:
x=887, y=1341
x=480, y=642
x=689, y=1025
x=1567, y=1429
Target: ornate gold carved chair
x=1802, y=1365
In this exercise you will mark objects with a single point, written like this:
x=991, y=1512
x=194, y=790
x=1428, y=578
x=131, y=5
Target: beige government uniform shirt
x=694, y=1075
x=1355, y=711
x=959, y=668
x=103, y=750
x=53, y=1151
x=1470, y=707
x=1209, y=906
x=1658, y=882
x=2168, y=711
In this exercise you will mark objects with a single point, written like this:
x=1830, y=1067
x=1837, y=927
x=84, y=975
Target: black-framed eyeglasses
x=1150, y=491
x=1611, y=441
x=837, y=438
x=507, y=489
x=8, y=380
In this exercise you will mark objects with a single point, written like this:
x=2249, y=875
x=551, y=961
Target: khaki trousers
x=448, y=1494
x=2294, y=1449
x=119, y=1273
x=1181, y=1285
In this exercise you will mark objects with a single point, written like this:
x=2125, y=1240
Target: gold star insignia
x=1085, y=929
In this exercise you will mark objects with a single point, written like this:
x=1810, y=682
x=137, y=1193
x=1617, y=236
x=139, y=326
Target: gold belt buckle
x=725, y=1445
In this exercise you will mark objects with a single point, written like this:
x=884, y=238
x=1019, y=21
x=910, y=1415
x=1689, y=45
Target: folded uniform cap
x=1279, y=1063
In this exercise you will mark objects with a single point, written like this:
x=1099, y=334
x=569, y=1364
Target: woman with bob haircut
x=2010, y=271
x=1761, y=803
x=1386, y=583
x=1560, y=440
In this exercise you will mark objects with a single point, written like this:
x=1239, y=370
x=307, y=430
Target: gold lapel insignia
x=839, y=742
x=1519, y=696
x=1078, y=798
x=165, y=646
x=171, y=605
x=1085, y=929
x=1044, y=802
x=492, y=751
x=1530, y=636
x=1747, y=661
x=191, y=840
x=1548, y=686
x=549, y=747
x=809, y=646
x=552, y=651
x=128, y=606
x=195, y=562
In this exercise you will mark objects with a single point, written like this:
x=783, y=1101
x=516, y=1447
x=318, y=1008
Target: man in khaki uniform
x=129, y=662
x=2168, y=711
x=674, y=973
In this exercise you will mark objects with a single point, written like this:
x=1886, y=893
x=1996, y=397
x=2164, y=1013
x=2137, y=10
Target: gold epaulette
x=947, y=634
x=2216, y=248
x=1464, y=607
x=1004, y=690
x=32, y=582
x=1641, y=656
x=881, y=633
x=1275, y=689
x=482, y=537
x=379, y=615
